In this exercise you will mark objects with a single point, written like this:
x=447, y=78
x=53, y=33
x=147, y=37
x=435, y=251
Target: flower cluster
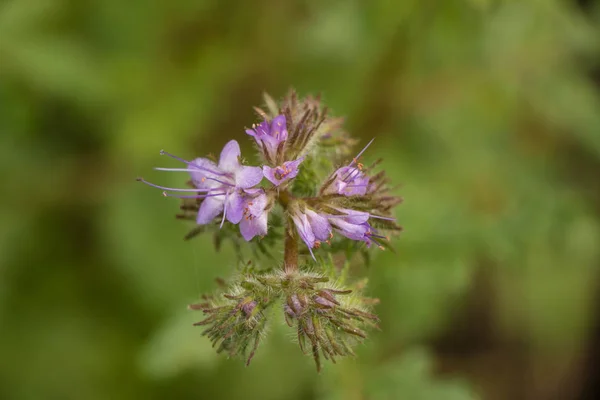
x=302, y=191
x=326, y=319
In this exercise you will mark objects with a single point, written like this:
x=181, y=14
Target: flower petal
x=230, y=157
x=257, y=205
x=279, y=128
x=246, y=177
x=304, y=230
x=201, y=168
x=269, y=173
x=235, y=207
x=253, y=227
x=262, y=129
x=319, y=224
x=209, y=209
x=353, y=216
x=351, y=231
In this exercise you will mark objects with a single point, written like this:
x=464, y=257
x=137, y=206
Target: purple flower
x=312, y=227
x=355, y=225
x=283, y=173
x=222, y=186
x=269, y=136
x=254, y=220
x=349, y=180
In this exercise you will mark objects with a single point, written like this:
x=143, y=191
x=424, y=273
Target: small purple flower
x=222, y=186
x=269, y=136
x=312, y=227
x=355, y=225
x=349, y=180
x=283, y=173
x=254, y=220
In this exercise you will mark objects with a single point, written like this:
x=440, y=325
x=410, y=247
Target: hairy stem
x=290, y=256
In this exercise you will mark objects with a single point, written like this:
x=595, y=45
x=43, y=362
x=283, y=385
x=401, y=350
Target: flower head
x=328, y=196
x=270, y=135
x=222, y=187
x=236, y=324
x=328, y=321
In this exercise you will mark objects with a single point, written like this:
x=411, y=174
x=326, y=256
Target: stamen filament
x=224, y=210
x=200, y=196
x=162, y=152
x=174, y=169
x=361, y=152
x=221, y=182
x=351, y=174
x=381, y=217
x=170, y=189
x=377, y=243
x=355, y=160
x=165, y=153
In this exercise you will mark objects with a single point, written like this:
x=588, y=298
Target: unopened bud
x=248, y=308
x=323, y=302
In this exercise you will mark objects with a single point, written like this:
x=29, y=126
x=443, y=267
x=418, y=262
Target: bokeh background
x=487, y=111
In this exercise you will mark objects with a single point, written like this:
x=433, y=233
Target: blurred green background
x=488, y=113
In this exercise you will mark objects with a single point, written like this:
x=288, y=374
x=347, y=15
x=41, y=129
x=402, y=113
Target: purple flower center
x=288, y=170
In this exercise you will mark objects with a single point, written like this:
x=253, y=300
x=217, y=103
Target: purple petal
x=352, y=216
x=270, y=143
x=262, y=129
x=251, y=132
x=201, y=168
x=304, y=230
x=230, y=157
x=351, y=231
x=254, y=191
x=319, y=224
x=259, y=131
x=253, y=227
x=209, y=209
x=235, y=207
x=279, y=128
x=256, y=206
x=269, y=173
x=246, y=177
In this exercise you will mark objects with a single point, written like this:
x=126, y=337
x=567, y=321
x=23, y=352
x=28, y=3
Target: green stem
x=290, y=255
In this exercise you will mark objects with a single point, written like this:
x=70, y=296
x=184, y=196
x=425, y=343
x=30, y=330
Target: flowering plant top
x=308, y=190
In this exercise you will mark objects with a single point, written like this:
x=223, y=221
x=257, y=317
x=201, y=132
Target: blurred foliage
x=484, y=109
